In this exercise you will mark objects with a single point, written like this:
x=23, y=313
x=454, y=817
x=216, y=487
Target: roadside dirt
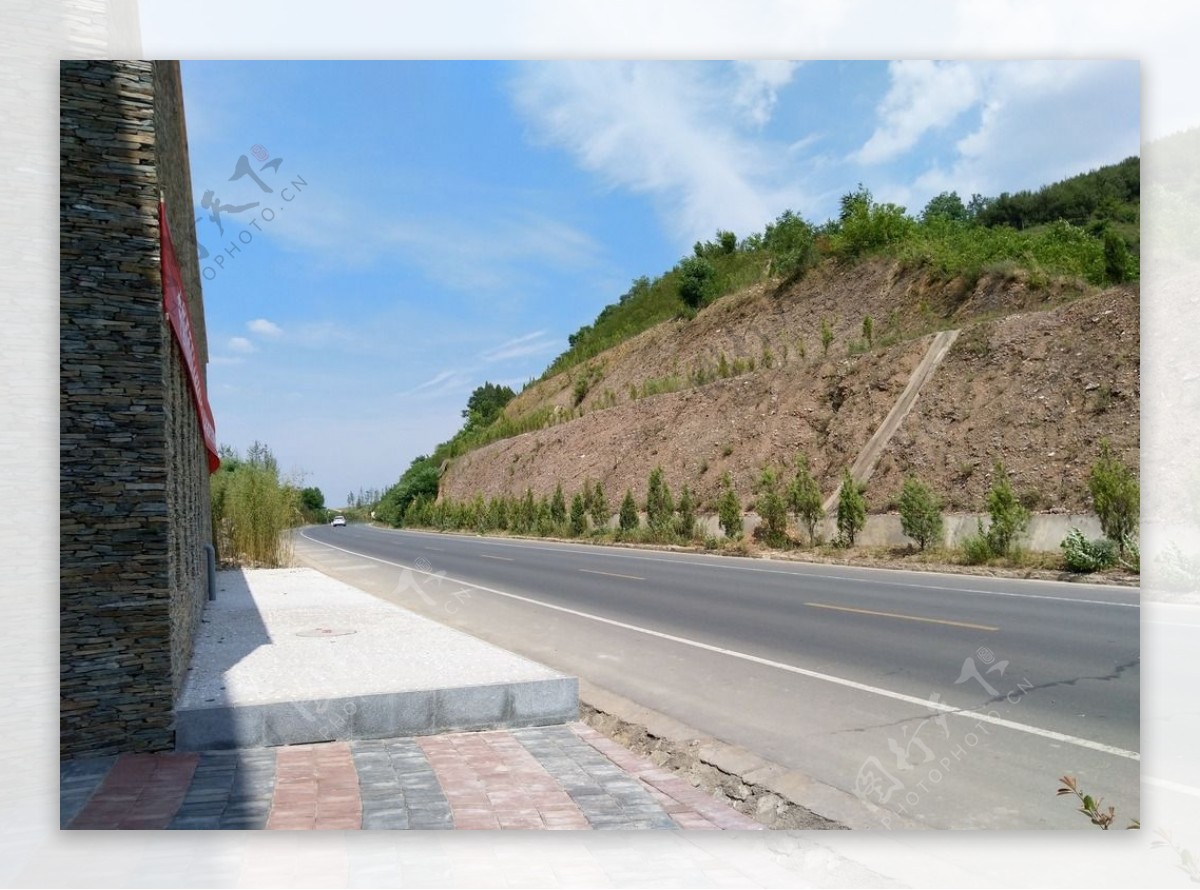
x=684, y=760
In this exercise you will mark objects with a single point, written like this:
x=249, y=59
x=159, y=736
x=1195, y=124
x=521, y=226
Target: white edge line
x=755, y=659
x=567, y=548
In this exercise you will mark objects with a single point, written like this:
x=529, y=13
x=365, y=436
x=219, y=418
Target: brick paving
x=139, y=791
x=546, y=778
x=492, y=781
x=692, y=806
x=230, y=789
x=316, y=787
x=399, y=788
x=606, y=795
x=78, y=781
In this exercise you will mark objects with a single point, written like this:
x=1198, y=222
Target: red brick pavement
x=689, y=806
x=491, y=781
x=140, y=791
x=316, y=787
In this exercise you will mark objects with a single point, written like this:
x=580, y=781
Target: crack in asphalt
x=1116, y=673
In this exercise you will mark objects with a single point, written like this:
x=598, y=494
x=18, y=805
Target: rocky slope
x=1038, y=376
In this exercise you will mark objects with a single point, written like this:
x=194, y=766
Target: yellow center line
x=489, y=556
x=613, y=575
x=905, y=617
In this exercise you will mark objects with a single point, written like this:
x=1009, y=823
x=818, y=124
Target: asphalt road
x=956, y=701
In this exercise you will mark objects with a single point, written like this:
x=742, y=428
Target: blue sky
x=434, y=225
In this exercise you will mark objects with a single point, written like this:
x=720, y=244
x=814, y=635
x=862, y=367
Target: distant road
x=837, y=672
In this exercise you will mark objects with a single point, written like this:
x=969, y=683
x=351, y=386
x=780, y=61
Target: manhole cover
x=325, y=632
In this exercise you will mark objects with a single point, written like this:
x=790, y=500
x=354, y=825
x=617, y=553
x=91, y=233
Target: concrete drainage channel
x=777, y=797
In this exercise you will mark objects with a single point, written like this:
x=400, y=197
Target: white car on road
x=338, y=520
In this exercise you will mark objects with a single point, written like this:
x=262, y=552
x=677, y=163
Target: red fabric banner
x=176, y=307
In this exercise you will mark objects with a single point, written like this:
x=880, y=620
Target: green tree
x=726, y=241
x=419, y=480
x=312, y=500
x=697, y=281
x=1009, y=516
x=629, y=513
x=868, y=331
x=1119, y=264
x=659, y=506
x=729, y=510
x=578, y=515
x=947, y=205
x=772, y=509
x=685, y=522
x=485, y=404
x=599, y=510
x=920, y=513
x=1115, y=496
x=526, y=514
x=826, y=335
x=804, y=498
x=851, y=510
x=791, y=242
x=558, y=506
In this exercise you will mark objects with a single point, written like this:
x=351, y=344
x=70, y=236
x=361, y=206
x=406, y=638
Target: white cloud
x=241, y=344
x=923, y=96
x=758, y=84
x=264, y=327
x=449, y=382
x=537, y=343
x=1038, y=122
x=664, y=129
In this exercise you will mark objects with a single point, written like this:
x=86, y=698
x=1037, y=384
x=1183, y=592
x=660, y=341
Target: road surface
x=955, y=701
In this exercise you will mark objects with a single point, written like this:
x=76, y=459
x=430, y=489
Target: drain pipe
x=210, y=561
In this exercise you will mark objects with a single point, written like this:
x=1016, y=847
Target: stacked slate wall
x=133, y=474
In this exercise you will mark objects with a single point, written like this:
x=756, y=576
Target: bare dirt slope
x=1037, y=377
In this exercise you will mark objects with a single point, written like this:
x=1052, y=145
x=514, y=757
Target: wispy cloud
x=264, y=327
x=1037, y=122
x=923, y=96
x=663, y=129
x=241, y=344
x=448, y=382
x=537, y=343
x=757, y=87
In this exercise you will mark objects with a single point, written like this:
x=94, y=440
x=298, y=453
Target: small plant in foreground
x=1091, y=807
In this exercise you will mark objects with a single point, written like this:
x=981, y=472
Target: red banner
x=176, y=307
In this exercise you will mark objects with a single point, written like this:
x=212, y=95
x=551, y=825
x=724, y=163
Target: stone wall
x=134, y=513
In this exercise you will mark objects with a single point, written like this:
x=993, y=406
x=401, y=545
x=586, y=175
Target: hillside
x=1041, y=372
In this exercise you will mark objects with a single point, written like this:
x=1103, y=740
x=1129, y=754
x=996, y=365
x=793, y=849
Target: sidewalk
x=545, y=778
